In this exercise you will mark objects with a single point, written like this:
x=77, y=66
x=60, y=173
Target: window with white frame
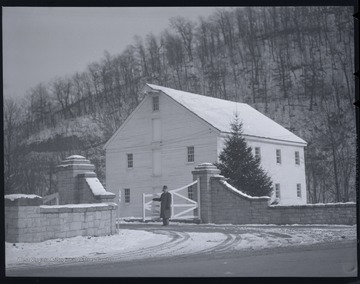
x=127, y=195
x=130, y=161
x=155, y=101
x=190, y=154
x=277, y=190
x=278, y=156
x=190, y=192
x=257, y=153
x=298, y=190
x=297, y=158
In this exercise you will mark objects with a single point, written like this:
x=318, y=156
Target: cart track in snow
x=179, y=244
x=176, y=239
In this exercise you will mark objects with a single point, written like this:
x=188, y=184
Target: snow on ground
x=144, y=242
x=270, y=238
x=58, y=250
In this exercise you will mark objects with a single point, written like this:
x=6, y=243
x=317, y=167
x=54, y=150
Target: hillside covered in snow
x=293, y=64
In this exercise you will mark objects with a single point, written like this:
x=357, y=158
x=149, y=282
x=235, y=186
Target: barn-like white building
x=171, y=131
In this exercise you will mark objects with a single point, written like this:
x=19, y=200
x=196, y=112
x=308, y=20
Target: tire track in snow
x=176, y=239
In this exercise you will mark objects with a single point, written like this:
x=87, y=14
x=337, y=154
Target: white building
x=171, y=131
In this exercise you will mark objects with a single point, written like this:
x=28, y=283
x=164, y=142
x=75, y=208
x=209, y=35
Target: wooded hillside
x=294, y=64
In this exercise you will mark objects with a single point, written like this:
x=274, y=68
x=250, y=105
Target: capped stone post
x=204, y=172
x=67, y=173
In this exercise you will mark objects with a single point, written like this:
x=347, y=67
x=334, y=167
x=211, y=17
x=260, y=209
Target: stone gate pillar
x=67, y=173
x=204, y=172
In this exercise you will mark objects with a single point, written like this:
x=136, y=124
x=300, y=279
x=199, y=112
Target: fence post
x=143, y=206
x=172, y=203
x=198, y=197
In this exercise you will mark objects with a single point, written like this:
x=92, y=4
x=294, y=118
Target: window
x=130, y=161
x=127, y=195
x=257, y=153
x=190, y=192
x=155, y=101
x=297, y=158
x=278, y=156
x=277, y=190
x=298, y=190
x=190, y=154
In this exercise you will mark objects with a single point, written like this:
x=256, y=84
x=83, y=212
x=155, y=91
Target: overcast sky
x=40, y=44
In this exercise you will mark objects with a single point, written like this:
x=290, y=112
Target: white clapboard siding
x=288, y=174
x=179, y=129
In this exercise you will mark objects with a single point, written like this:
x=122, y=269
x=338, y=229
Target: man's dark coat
x=165, y=211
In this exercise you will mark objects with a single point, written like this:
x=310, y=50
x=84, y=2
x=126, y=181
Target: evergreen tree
x=238, y=164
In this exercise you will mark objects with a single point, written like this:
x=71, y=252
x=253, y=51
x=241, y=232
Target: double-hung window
x=190, y=154
x=127, y=195
x=155, y=101
x=278, y=156
x=257, y=153
x=277, y=190
x=190, y=192
x=130, y=161
x=297, y=158
x=298, y=190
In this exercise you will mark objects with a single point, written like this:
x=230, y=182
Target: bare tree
x=12, y=138
x=185, y=28
x=62, y=90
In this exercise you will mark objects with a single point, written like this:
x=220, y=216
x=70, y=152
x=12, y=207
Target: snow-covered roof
x=220, y=113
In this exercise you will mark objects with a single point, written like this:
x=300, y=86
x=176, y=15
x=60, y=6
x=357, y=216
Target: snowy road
x=152, y=243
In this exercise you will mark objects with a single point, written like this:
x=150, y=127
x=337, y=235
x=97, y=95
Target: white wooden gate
x=182, y=202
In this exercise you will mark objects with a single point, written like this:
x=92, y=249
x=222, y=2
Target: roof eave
x=300, y=143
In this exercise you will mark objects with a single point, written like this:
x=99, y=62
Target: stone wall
x=85, y=208
x=337, y=213
x=29, y=223
x=232, y=207
x=225, y=204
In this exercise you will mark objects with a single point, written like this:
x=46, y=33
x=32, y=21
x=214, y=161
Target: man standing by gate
x=165, y=211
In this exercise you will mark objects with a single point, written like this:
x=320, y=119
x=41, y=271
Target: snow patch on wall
x=85, y=205
x=12, y=197
x=96, y=186
x=75, y=157
x=314, y=205
x=229, y=186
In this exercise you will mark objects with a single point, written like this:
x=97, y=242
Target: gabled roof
x=220, y=113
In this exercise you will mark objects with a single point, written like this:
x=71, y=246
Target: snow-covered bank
x=51, y=251
x=142, y=243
